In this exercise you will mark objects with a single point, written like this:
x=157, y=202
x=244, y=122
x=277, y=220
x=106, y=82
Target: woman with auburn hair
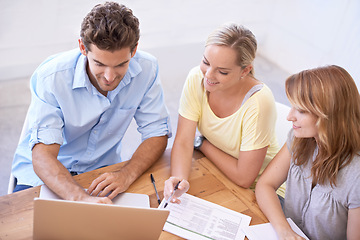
x=320, y=161
x=234, y=112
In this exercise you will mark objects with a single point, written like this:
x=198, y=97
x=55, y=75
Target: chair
x=11, y=184
x=282, y=126
x=22, y=135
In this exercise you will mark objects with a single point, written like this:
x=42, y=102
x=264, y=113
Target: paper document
x=123, y=199
x=266, y=231
x=195, y=218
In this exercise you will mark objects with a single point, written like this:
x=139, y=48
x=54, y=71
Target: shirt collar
x=81, y=78
x=133, y=70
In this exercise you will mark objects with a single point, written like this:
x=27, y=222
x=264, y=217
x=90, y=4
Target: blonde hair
x=331, y=95
x=238, y=38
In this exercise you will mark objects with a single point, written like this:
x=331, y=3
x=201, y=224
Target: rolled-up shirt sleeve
x=46, y=121
x=66, y=109
x=152, y=116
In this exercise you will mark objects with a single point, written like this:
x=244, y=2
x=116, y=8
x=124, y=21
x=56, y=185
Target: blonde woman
x=320, y=161
x=234, y=112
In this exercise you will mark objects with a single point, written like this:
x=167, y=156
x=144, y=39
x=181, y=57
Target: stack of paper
x=267, y=231
x=199, y=219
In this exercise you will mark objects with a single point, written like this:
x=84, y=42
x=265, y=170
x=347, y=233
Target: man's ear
x=134, y=51
x=82, y=47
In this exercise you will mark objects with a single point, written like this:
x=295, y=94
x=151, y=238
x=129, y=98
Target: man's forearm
x=53, y=173
x=113, y=183
x=145, y=155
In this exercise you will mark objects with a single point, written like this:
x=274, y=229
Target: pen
x=168, y=200
x=153, y=182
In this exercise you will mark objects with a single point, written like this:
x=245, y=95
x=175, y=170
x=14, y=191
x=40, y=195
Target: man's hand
x=92, y=199
x=112, y=182
x=57, y=177
x=83, y=196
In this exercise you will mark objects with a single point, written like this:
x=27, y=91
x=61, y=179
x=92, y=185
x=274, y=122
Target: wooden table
x=206, y=181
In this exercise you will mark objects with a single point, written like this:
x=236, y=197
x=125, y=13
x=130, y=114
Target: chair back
x=282, y=126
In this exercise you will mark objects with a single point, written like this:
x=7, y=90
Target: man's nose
x=109, y=74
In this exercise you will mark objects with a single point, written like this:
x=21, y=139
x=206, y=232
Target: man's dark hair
x=110, y=26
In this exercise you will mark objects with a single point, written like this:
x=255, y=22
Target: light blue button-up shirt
x=68, y=110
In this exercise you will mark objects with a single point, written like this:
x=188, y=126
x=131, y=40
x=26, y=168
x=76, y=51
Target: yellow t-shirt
x=251, y=127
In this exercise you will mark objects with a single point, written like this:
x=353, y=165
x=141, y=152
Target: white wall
x=311, y=33
x=32, y=30
x=294, y=34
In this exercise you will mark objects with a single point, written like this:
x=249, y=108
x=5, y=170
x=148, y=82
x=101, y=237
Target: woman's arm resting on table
x=244, y=170
x=274, y=175
x=181, y=158
x=51, y=171
x=353, y=226
x=145, y=155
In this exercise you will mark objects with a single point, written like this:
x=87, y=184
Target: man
x=82, y=104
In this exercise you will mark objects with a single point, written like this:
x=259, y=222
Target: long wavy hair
x=331, y=95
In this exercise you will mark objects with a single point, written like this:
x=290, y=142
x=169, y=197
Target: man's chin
x=107, y=88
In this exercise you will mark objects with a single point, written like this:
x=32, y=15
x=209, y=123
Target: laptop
x=62, y=219
x=123, y=199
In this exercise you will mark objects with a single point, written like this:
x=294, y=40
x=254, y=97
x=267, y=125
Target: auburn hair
x=330, y=94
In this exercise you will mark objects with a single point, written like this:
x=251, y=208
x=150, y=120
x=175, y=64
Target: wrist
x=177, y=178
x=198, y=142
x=283, y=229
x=79, y=195
x=127, y=175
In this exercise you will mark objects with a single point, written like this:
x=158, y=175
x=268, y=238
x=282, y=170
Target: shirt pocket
x=120, y=121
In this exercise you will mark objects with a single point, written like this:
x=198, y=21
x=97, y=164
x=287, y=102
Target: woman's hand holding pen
x=170, y=185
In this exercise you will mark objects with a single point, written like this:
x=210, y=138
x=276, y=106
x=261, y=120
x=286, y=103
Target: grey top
x=321, y=212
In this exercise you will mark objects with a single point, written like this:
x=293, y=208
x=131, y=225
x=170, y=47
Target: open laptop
x=61, y=219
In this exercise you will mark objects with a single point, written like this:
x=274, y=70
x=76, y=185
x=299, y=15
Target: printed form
x=195, y=218
x=267, y=231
